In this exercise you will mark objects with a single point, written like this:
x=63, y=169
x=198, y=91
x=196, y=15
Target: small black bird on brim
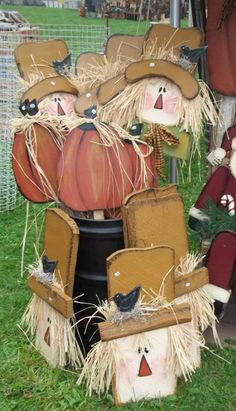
x=126, y=302
x=192, y=55
x=48, y=265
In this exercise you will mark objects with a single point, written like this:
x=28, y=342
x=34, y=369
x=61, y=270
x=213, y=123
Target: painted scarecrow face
x=58, y=104
x=160, y=102
x=141, y=367
x=45, y=339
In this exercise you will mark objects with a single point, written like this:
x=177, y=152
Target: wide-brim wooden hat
x=159, y=37
x=37, y=60
x=43, y=88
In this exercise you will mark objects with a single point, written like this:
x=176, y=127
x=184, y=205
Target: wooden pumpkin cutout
x=145, y=266
x=34, y=162
x=61, y=241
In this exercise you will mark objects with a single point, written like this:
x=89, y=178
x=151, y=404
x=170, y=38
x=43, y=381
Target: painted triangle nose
x=159, y=103
x=144, y=369
x=47, y=337
x=60, y=110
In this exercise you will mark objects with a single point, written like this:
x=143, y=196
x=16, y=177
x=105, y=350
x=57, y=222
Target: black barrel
x=98, y=239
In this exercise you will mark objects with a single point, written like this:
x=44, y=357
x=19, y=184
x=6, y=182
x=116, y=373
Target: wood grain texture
x=191, y=282
x=166, y=317
x=156, y=221
x=147, y=267
x=61, y=241
x=53, y=296
x=148, y=193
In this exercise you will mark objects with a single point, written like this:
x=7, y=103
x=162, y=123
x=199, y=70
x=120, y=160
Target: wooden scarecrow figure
x=213, y=216
x=142, y=348
x=149, y=219
x=48, y=98
x=49, y=315
x=101, y=163
x=160, y=89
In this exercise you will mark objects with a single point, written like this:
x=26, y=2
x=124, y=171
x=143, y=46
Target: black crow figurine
x=192, y=55
x=126, y=302
x=62, y=67
x=48, y=265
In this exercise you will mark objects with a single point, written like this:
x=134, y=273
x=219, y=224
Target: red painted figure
x=221, y=189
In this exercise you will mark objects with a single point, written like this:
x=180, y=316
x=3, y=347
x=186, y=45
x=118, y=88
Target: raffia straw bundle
x=56, y=130
x=200, y=302
x=62, y=329
x=192, y=114
x=94, y=74
x=99, y=367
x=62, y=332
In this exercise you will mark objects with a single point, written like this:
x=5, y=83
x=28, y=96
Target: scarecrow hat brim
x=85, y=101
x=146, y=69
x=50, y=85
x=162, y=68
x=111, y=88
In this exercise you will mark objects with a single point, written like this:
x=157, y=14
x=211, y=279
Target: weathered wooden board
x=148, y=193
x=53, y=296
x=191, y=282
x=61, y=241
x=165, y=317
x=152, y=268
x=156, y=221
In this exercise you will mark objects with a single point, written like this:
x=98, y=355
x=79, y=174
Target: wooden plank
x=156, y=221
x=53, y=296
x=148, y=193
x=166, y=317
x=192, y=281
x=150, y=267
x=61, y=241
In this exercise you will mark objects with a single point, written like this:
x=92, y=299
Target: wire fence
x=78, y=39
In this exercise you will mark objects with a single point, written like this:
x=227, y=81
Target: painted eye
x=58, y=98
x=160, y=89
x=139, y=350
x=164, y=89
x=146, y=350
x=55, y=99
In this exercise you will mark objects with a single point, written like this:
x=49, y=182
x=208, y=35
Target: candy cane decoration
x=227, y=200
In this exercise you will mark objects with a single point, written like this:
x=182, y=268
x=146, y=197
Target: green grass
x=44, y=15
x=26, y=381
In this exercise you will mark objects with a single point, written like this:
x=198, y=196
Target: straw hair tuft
x=201, y=303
